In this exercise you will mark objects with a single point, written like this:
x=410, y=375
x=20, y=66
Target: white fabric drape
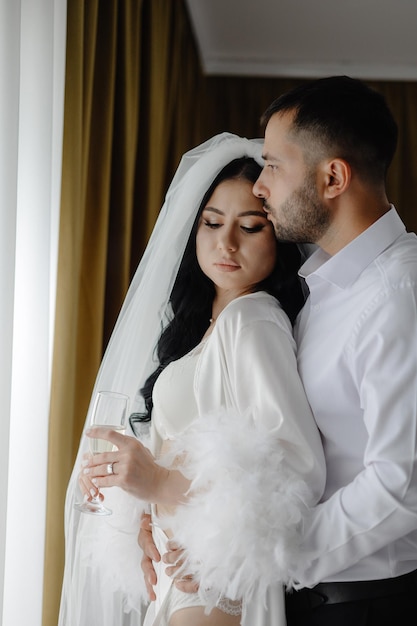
x=32, y=70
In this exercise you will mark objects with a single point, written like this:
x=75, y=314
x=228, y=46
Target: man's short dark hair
x=344, y=117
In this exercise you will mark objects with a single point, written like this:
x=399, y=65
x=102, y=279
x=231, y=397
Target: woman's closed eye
x=253, y=229
x=256, y=228
x=211, y=224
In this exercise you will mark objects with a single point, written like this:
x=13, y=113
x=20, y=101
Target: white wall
x=32, y=68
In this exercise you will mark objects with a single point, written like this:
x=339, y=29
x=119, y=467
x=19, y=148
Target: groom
x=328, y=145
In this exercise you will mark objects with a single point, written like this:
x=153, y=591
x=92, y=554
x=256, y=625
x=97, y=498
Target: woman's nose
x=227, y=240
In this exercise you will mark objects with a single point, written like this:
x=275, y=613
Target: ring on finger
x=110, y=468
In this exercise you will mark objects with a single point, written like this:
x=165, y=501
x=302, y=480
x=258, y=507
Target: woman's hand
x=88, y=489
x=134, y=469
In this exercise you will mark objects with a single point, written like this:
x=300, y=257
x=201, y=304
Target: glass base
x=94, y=508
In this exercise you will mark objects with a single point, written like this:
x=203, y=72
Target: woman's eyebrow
x=242, y=214
x=257, y=213
x=213, y=210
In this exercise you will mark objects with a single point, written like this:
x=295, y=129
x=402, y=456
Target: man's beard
x=303, y=217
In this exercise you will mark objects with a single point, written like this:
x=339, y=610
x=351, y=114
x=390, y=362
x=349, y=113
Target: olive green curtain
x=135, y=101
x=99, y=155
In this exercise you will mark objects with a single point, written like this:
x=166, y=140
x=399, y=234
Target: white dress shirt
x=357, y=356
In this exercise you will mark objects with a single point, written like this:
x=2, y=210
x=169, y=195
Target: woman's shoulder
x=255, y=307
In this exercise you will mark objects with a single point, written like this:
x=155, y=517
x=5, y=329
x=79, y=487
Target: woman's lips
x=227, y=266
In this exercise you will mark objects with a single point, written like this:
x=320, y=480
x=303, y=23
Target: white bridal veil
x=103, y=581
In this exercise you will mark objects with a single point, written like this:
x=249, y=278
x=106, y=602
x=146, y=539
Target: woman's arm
x=254, y=457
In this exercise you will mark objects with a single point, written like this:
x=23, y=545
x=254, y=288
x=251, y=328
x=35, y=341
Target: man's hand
x=150, y=553
x=174, y=559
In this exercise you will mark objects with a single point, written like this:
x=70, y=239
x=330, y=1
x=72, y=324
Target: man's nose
x=259, y=190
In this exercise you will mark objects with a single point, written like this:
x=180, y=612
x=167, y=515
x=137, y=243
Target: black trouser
x=397, y=608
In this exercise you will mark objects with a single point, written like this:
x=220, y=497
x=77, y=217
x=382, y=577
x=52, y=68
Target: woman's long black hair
x=193, y=293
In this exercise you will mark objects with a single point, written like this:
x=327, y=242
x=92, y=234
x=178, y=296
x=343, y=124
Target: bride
x=203, y=347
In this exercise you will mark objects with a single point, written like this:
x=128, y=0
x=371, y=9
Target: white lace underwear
x=177, y=600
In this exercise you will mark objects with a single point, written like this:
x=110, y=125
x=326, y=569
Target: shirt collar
x=343, y=268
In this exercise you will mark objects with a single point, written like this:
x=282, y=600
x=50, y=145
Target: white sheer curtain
x=32, y=68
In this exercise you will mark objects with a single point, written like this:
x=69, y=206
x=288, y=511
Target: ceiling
x=368, y=39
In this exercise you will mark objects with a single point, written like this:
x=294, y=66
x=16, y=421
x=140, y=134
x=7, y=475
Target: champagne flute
x=110, y=409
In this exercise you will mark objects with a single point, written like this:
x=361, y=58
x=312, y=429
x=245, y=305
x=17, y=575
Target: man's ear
x=337, y=176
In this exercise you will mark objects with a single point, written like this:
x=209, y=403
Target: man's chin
x=283, y=236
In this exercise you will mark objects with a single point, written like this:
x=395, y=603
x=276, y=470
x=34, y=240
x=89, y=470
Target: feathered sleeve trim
x=240, y=523
x=109, y=550
x=103, y=580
